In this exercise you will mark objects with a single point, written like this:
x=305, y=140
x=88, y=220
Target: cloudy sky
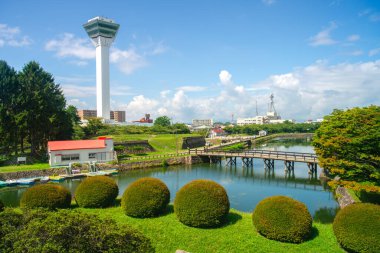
x=206, y=59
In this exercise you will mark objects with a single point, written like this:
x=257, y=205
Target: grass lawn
x=162, y=143
x=168, y=234
x=14, y=168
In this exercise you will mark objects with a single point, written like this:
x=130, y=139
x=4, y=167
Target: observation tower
x=102, y=32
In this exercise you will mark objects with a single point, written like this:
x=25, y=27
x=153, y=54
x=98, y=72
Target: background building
x=202, y=122
x=117, y=116
x=63, y=153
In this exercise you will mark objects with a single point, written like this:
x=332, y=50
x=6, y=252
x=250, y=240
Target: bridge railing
x=260, y=153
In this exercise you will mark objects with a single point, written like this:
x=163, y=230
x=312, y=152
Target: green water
x=245, y=186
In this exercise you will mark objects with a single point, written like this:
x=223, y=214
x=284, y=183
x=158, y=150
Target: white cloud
x=77, y=91
x=225, y=77
x=192, y=88
x=11, y=36
x=323, y=38
x=79, y=104
x=285, y=81
x=374, y=52
x=268, y=2
x=67, y=45
x=127, y=61
x=355, y=53
x=353, y=37
x=121, y=91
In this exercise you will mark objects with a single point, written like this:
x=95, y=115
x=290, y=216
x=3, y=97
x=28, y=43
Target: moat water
x=245, y=186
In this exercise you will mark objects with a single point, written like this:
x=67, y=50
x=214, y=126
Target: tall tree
x=9, y=91
x=44, y=108
x=163, y=121
x=348, y=144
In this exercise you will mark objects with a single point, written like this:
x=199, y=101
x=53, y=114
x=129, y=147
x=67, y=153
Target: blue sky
x=206, y=59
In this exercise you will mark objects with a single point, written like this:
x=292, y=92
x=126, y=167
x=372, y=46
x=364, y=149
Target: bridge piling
x=268, y=164
x=247, y=161
x=289, y=166
x=231, y=161
x=312, y=169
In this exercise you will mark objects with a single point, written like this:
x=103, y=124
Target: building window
x=92, y=155
x=70, y=157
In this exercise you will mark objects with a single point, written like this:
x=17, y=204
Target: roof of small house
x=78, y=144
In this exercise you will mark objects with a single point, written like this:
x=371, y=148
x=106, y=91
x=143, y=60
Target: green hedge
x=97, y=191
x=283, y=219
x=68, y=231
x=49, y=196
x=146, y=197
x=357, y=227
x=202, y=203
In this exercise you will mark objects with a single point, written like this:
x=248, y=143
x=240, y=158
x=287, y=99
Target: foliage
x=32, y=109
x=94, y=127
x=73, y=231
x=119, y=148
x=367, y=187
x=49, y=196
x=202, y=203
x=235, y=147
x=163, y=121
x=97, y=191
x=283, y=219
x=168, y=235
x=348, y=146
x=146, y=197
x=10, y=89
x=1, y=206
x=10, y=222
x=357, y=227
x=73, y=114
x=286, y=127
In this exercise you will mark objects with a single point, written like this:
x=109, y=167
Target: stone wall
x=193, y=142
x=32, y=173
x=343, y=196
x=128, y=145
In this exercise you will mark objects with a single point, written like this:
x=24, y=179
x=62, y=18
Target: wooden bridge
x=268, y=156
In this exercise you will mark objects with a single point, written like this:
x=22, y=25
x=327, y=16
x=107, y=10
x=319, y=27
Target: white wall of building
x=65, y=157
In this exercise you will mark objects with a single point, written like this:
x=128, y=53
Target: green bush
x=357, y=227
x=146, y=197
x=74, y=231
x=283, y=219
x=98, y=191
x=202, y=203
x=1, y=206
x=46, y=196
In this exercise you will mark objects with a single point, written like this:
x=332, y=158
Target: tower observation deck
x=102, y=32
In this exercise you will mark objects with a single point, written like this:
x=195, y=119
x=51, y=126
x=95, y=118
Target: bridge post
x=289, y=166
x=312, y=169
x=269, y=164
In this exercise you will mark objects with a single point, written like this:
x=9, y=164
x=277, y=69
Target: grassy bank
x=168, y=234
x=14, y=168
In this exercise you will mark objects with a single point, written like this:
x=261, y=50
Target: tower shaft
x=102, y=77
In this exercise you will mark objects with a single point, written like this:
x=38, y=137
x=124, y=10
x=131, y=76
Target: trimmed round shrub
x=46, y=196
x=282, y=219
x=202, y=203
x=146, y=197
x=357, y=227
x=97, y=191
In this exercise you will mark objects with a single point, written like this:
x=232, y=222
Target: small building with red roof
x=62, y=153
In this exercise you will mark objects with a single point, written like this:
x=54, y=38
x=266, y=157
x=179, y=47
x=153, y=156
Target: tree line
x=32, y=110
x=287, y=127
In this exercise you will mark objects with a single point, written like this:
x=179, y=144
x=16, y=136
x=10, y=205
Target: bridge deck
x=263, y=154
